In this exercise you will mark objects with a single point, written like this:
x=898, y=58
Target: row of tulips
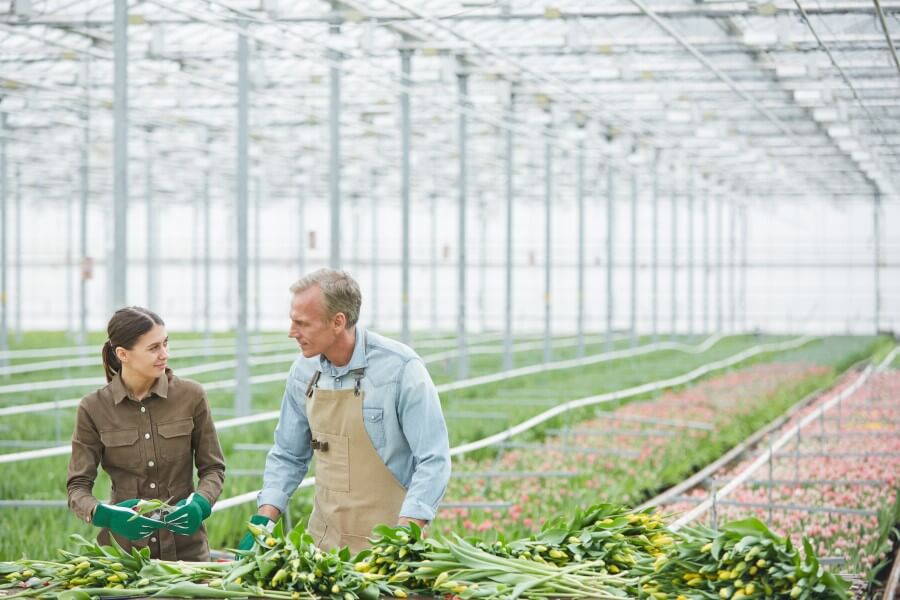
x=607, y=552
x=839, y=487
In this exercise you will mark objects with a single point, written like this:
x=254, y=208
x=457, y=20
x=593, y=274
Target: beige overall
x=355, y=491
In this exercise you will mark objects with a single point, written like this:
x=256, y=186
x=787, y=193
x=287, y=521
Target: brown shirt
x=149, y=449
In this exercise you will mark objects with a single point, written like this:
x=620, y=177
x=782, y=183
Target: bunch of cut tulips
x=606, y=552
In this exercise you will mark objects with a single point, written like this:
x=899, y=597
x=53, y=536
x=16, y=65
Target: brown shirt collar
x=119, y=392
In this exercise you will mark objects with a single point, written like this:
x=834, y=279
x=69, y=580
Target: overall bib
x=355, y=491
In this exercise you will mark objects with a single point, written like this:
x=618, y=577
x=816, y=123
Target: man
x=366, y=408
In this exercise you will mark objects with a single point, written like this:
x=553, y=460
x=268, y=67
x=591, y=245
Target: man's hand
x=407, y=520
x=266, y=517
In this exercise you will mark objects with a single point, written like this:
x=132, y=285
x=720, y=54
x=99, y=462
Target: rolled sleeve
x=288, y=460
x=423, y=426
x=86, y=451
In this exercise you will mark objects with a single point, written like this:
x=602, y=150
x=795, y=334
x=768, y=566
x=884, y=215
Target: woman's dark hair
x=124, y=329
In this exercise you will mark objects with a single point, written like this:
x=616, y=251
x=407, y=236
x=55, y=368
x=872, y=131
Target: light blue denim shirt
x=402, y=415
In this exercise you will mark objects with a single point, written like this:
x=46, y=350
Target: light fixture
x=784, y=71
x=760, y=38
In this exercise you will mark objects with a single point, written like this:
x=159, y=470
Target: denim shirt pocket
x=373, y=419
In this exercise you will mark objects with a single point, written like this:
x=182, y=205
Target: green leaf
x=554, y=537
x=265, y=566
x=751, y=526
x=385, y=532
x=278, y=530
x=74, y=595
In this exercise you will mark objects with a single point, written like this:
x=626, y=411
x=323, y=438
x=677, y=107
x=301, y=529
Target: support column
x=634, y=233
x=376, y=236
x=405, y=58
x=482, y=261
x=463, y=358
x=580, y=199
x=434, y=260
x=876, y=227
x=257, y=248
x=655, y=260
x=4, y=235
x=207, y=259
x=707, y=272
x=610, y=230
x=732, y=269
x=152, y=242
x=334, y=135
x=17, y=256
x=86, y=266
x=242, y=398
x=301, y=229
x=120, y=154
x=548, y=197
x=507, y=324
x=690, y=256
x=70, y=251
x=744, y=244
x=673, y=333
x=720, y=259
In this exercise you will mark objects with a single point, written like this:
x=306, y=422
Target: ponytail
x=111, y=363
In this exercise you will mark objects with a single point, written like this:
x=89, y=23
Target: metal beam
x=120, y=155
x=4, y=236
x=672, y=11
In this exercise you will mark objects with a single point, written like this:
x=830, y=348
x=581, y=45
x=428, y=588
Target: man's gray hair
x=340, y=292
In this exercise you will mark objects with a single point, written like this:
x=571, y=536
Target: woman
x=147, y=428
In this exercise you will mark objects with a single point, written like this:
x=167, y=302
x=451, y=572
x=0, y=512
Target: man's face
x=309, y=324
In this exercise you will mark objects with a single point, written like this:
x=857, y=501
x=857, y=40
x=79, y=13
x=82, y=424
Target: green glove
x=121, y=520
x=189, y=514
x=248, y=540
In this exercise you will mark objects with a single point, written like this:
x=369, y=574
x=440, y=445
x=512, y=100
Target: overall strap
x=358, y=375
x=313, y=383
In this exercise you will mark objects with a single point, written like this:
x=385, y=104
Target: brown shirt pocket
x=175, y=440
x=120, y=448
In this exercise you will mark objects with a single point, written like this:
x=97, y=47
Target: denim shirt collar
x=357, y=359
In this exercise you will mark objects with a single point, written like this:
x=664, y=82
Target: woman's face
x=149, y=355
